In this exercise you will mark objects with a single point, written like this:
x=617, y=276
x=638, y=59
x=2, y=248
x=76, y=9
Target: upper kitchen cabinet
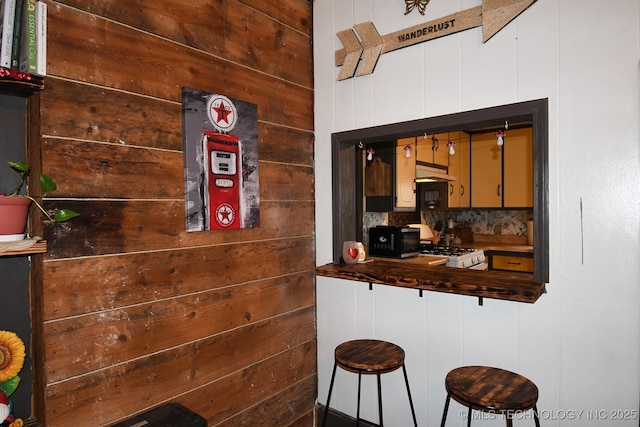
x=502, y=176
x=433, y=149
x=518, y=169
x=459, y=166
x=405, y=197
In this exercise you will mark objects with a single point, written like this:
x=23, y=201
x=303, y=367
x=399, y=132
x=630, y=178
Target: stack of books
x=23, y=27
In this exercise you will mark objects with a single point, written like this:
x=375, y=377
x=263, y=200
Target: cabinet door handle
x=451, y=189
x=462, y=190
x=498, y=189
x=514, y=263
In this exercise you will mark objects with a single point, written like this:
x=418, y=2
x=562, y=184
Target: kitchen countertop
x=496, y=246
x=505, y=243
x=417, y=273
x=421, y=260
x=492, y=242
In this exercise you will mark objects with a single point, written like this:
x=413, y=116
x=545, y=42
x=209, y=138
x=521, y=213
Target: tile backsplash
x=494, y=221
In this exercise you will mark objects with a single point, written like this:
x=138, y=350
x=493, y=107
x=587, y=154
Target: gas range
x=457, y=257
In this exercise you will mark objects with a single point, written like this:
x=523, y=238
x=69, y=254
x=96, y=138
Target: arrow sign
x=362, y=54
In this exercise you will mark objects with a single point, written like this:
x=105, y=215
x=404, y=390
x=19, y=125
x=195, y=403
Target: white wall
x=580, y=342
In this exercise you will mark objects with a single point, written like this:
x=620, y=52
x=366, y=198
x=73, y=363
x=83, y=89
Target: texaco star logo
x=222, y=113
x=225, y=214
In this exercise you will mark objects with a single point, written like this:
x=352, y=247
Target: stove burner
x=457, y=257
x=444, y=250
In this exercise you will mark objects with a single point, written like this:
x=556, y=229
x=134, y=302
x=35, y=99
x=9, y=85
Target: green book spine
x=41, y=38
x=28, y=53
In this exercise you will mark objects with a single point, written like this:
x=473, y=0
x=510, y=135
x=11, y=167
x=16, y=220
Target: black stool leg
x=406, y=380
x=379, y=399
x=326, y=408
x=509, y=420
x=358, y=413
x=446, y=409
x=469, y=417
x=535, y=415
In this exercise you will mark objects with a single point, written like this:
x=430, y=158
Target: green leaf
x=65, y=215
x=20, y=167
x=10, y=385
x=46, y=183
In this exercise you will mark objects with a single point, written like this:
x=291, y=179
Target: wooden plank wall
x=130, y=310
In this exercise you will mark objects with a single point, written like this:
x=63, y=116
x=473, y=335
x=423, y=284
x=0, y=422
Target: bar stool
x=491, y=389
x=369, y=357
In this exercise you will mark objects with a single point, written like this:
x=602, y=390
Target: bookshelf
x=13, y=82
x=20, y=93
x=39, y=247
x=23, y=46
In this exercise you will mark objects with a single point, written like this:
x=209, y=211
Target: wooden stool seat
x=369, y=357
x=491, y=389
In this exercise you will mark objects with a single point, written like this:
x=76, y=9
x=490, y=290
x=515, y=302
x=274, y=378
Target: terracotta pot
x=13, y=217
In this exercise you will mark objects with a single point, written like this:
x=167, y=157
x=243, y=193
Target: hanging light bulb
x=450, y=145
x=500, y=135
x=407, y=151
x=370, y=153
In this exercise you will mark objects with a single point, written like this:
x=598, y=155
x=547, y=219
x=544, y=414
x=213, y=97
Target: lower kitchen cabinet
x=511, y=261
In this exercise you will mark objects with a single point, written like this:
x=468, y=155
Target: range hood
x=431, y=174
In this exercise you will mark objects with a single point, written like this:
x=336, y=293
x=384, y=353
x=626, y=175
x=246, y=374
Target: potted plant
x=14, y=206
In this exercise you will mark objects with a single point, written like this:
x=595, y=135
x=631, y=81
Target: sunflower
x=12, y=355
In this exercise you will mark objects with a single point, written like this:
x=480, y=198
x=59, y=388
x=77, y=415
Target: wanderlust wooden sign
x=363, y=45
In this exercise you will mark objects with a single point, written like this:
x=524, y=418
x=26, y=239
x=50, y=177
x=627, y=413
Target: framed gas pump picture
x=220, y=162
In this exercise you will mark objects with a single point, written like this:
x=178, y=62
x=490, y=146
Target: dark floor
x=338, y=419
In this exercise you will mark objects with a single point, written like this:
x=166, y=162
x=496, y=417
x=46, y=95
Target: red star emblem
x=222, y=112
x=225, y=215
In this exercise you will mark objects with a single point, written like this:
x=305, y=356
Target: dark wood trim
x=347, y=194
x=34, y=155
x=508, y=286
x=347, y=200
x=540, y=113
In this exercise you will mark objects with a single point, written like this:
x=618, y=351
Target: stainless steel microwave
x=394, y=242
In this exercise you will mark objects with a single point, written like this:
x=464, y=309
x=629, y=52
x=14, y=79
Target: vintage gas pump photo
x=221, y=162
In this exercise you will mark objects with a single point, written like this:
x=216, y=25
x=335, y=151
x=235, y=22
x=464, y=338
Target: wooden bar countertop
x=509, y=286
